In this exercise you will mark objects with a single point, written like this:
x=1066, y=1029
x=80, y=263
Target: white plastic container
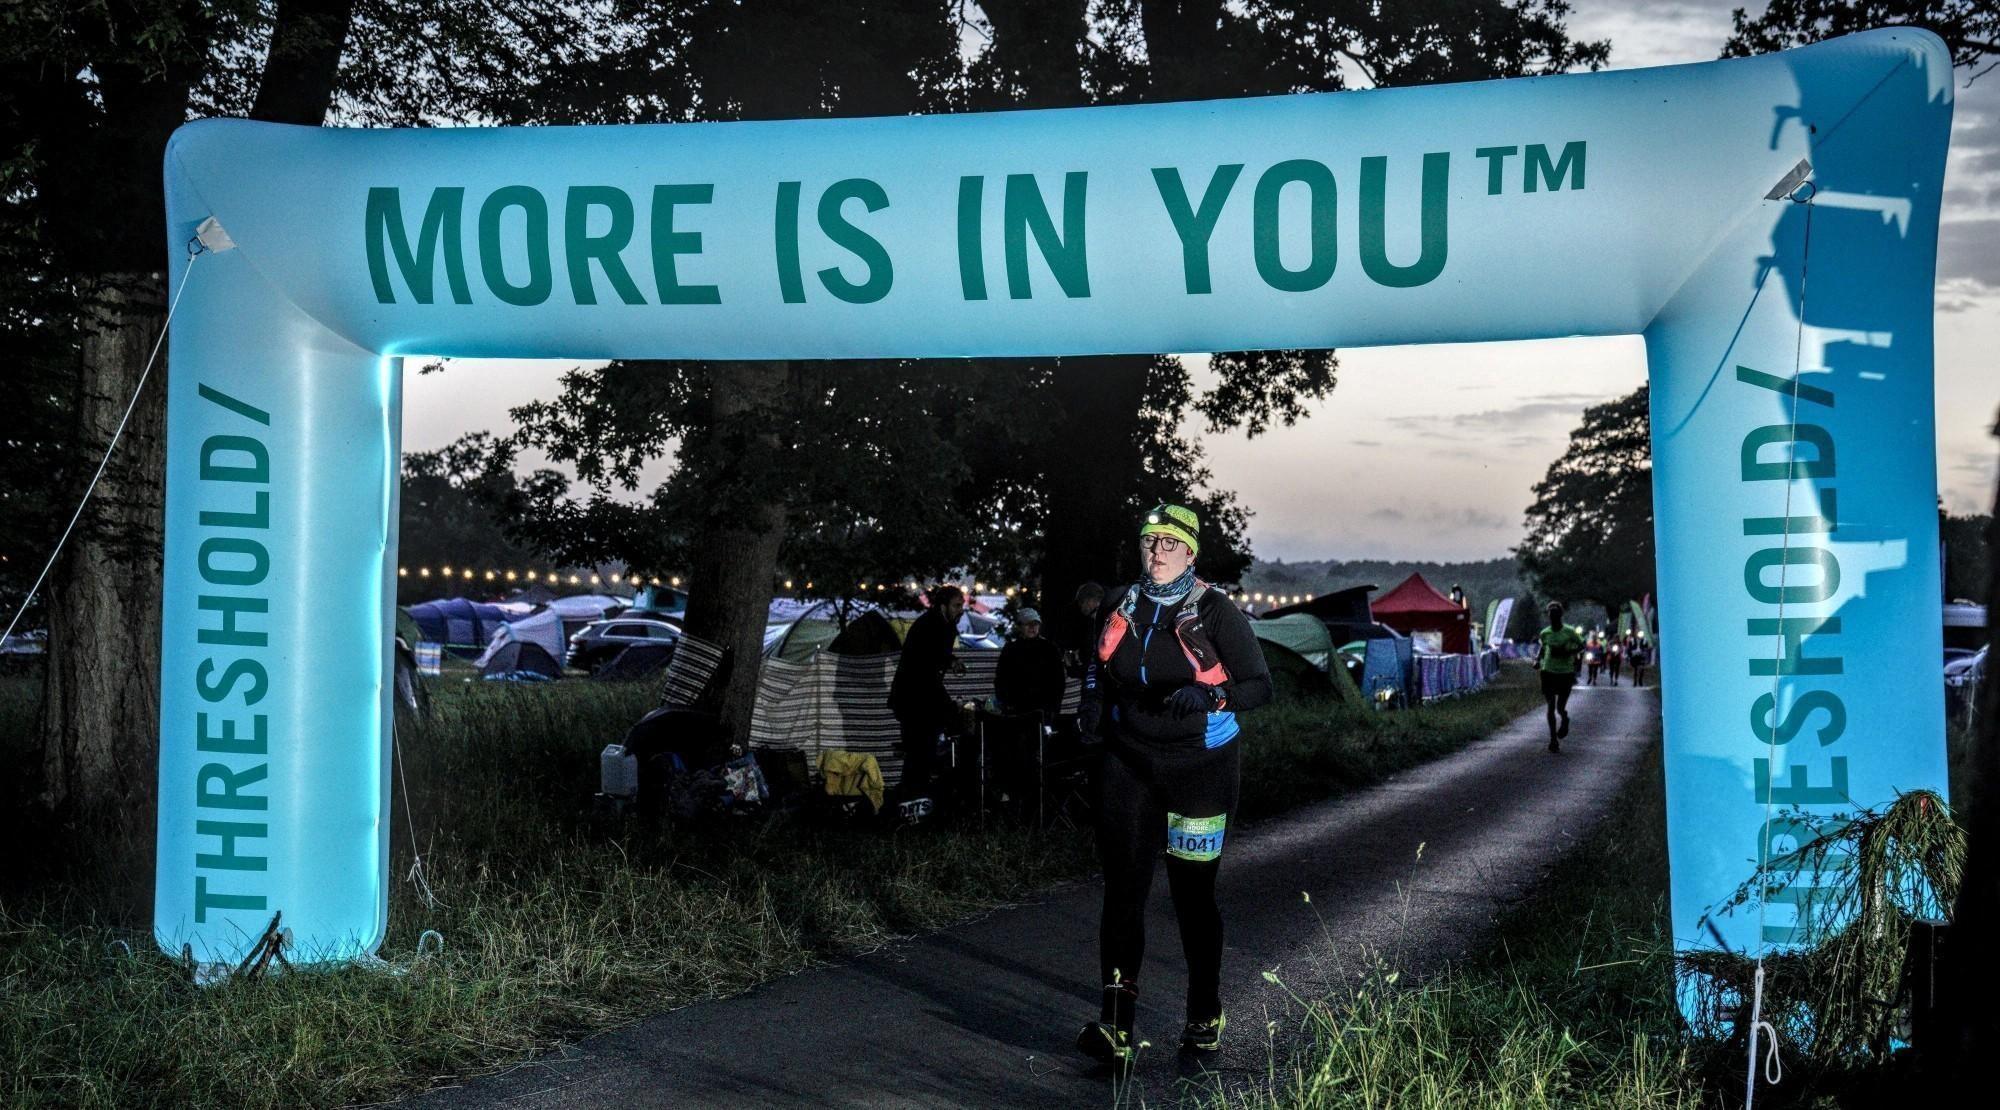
x=618, y=772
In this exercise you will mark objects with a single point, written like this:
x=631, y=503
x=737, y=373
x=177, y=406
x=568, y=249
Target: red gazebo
x=1416, y=606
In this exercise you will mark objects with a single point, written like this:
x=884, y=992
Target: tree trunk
x=736, y=558
x=101, y=692
x=1094, y=471
x=1184, y=49
x=1038, y=48
x=304, y=61
x=1095, y=461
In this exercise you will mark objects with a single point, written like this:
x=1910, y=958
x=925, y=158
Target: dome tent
x=807, y=631
x=550, y=625
x=543, y=628
x=637, y=661
x=520, y=662
x=1302, y=633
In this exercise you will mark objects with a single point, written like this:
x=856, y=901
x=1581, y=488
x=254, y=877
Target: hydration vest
x=1188, y=631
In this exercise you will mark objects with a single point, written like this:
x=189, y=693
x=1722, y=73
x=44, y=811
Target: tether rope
x=1774, y=1070
x=195, y=250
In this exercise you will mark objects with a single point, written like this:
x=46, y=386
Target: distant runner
x=1177, y=662
x=1560, y=647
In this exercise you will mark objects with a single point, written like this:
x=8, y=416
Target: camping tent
x=406, y=627
x=657, y=599
x=537, y=594
x=1344, y=612
x=584, y=608
x=1293, y=676
x=458, y=622
x=543, y=628
x=1416, y=609
x=1302, y=633
x=796, y=634
x=636, y=661
x=1388, y=664
x=868, y=634
x=550, y=626
x=520, y=662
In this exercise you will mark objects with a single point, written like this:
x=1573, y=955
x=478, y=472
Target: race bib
x=1195, y=838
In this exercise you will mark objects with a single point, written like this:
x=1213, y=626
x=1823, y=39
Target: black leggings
x=1139, y=789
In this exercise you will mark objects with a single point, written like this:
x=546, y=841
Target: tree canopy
x=1590, y=528
x=1970, y=28
x=913, y=467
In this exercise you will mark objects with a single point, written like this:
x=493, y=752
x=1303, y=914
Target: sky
x=1381, y=470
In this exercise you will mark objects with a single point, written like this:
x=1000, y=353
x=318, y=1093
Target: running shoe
x=1203, y=1036
x=1563, y=729
x=1555, y=745
x=1105, y=1042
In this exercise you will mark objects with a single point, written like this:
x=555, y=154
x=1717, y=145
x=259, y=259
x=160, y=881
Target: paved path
x=982, y=1015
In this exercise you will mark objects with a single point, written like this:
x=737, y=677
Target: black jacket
x=1144, y=670
x=1030, y=677
x=917, y=695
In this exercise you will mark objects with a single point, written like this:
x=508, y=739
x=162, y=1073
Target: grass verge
x=557, y=923
x=1572, y=1006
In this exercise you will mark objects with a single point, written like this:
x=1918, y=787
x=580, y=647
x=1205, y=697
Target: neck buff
x=1170, y=592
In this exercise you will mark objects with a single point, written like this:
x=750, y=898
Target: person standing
x=1177, y=663
x=1080, y=656
x=917, y=695
x=1560, y=647
x=1030, y=676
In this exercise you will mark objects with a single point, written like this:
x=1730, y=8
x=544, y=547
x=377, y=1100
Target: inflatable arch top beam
x=1797, y=655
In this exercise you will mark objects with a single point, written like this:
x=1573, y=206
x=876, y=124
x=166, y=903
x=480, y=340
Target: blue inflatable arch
x=1796, y=513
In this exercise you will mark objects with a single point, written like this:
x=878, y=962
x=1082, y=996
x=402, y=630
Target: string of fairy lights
x=462, y=573
x=549, y=577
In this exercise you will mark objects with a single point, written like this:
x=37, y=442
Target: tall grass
x=557, y=921
x=1573, y=1006
x=1837, y=1000
x=1304, y=750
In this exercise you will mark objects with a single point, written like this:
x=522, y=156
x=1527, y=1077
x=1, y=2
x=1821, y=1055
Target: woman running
x=1177, y=663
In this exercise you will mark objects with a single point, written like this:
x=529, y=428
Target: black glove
x=1190, y=699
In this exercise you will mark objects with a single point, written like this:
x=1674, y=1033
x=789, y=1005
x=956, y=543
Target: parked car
x=1970, y=668
x=600, y=642
x=1961, y=683
x=1965, y=625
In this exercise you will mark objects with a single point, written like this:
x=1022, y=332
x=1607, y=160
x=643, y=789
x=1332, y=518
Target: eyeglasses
x=1156, y=542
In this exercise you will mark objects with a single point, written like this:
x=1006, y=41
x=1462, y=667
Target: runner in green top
x=1560, y=647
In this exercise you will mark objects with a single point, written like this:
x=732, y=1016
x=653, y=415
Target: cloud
x=1535, y=408
x=1655, y=32
x=1449, y=516
x=1975, y=135
x=1970, y=249
x=1965, y=295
